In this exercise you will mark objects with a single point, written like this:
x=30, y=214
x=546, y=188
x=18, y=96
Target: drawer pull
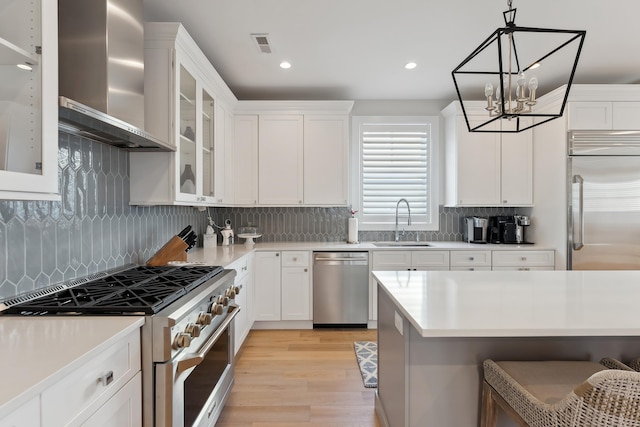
x=306, y=269
x=470, y=258
x=295, y=258
x=106, y=379
x=524, y=268
x=524, y=258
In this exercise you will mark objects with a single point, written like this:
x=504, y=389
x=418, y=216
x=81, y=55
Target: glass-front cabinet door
x=208, y=135
x=195, y=139
x=187, y=140
x=28, y=92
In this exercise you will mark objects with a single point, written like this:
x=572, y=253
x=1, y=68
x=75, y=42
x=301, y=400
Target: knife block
x=173, y=250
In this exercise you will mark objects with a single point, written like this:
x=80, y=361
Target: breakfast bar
x=436, y=327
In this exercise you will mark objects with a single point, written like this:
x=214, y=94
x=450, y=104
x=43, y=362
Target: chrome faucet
x=408, y=219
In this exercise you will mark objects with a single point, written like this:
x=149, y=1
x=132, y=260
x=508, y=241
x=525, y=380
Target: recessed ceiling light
x=285, y=65
x=410, y=65
x=25, y=66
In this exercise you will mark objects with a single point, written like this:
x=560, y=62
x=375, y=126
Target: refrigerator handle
x=579, y=244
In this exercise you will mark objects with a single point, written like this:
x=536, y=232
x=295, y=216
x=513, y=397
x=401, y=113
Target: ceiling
x=357, y=49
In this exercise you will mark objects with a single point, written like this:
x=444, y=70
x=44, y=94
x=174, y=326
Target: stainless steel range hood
x=101, y=73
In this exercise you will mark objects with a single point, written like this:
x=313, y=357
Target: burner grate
x=142, y=289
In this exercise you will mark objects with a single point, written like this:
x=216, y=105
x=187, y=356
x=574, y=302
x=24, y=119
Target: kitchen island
x=435, y=329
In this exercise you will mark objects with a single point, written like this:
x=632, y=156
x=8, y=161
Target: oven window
x=202, y=380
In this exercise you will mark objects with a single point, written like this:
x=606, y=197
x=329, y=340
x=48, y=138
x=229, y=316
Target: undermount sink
x=400, y=244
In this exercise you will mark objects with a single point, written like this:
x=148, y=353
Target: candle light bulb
x=488, y=89
x=533, y=83
x=520, y=92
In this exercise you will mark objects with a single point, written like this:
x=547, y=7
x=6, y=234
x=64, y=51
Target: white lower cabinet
x=80, y=395
x=470, y=260
x=104, y=391
x=244, y=298
x=523, y=260
x=267, y=286
x=124, y=409
x=410, y=260
x=282, y=286
x=295, y=286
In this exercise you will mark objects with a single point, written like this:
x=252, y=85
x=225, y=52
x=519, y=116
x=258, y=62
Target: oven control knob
x=193, y=330
x=223, y=300
x=231, y=293
x=216, y=309
x=236, y=289
x=204, y=319
x=181, y=340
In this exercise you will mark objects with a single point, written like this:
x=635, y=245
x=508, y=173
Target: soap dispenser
x=227, y=233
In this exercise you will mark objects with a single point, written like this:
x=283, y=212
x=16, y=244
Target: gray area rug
x=367, y=355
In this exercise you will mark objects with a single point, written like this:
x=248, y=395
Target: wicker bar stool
x=560, y=394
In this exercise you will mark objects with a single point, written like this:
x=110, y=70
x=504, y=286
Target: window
x=395, y=158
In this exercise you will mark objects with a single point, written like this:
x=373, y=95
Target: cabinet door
x=626, y=115
x=430, y=260
x=478, y=167
x=517, y=169
x=391, y=260
x=296, y=293
x=280, y=160
x=590, y=115
x=470, y=259
x=245, y=160
x=28, y=101
x=124, y=409
x=210, y=179
x=188, y=164
x=326, y=156
x=267, y=286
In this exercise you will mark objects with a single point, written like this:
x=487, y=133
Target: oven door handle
x=194, y=359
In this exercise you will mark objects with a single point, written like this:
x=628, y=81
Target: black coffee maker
x=502, y=229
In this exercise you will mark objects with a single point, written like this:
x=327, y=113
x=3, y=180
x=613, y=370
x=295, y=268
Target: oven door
x=192, y=389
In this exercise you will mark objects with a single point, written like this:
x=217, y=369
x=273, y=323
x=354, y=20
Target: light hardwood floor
x=301, y=378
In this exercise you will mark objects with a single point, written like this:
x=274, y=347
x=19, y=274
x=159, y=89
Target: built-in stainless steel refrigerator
x=604, y=200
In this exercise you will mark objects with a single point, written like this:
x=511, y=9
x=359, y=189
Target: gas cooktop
x=141, y=289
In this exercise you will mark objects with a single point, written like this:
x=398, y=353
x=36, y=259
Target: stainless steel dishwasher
x=340, y=289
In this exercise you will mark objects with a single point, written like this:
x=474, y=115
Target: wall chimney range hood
x=101, y=73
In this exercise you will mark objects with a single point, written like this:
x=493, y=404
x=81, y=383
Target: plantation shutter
x=395, y=165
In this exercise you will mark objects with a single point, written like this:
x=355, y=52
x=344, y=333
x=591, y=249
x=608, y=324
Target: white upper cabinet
x=28, y=100
x=280, y=157
x=300, y=148
x=486, y=168
x=185, y=104
x=245, y=160
x=604, y=115
x=326, y=154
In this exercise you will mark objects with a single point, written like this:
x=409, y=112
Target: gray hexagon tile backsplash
x=93, y=228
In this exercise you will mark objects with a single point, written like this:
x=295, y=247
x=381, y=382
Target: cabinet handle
x=524, y=269
x=504, y=201
x=305, y=270
x=295, y=258
x=106, y=379
x=470, y=258
x=277, y=253
x=524, y=258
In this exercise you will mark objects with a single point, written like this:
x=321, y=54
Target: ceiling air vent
x=262, y=42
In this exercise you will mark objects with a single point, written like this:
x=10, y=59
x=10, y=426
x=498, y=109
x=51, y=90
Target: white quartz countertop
x=225, y=255
x=36, y=352
x=516, y=303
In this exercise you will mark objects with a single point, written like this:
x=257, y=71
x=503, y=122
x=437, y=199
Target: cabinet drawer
x=240, y=266
x=523, y=259
x=470, y=259
x=481, y=268
x=295, y=259
x=430, y=259
x=391, y=260
x=82, y=392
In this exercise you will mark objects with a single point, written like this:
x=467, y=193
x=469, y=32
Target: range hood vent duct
x=101, y=73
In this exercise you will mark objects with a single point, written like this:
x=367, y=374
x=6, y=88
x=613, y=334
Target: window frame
x=433, y=173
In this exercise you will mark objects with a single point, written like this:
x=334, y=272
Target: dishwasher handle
x=319, y=259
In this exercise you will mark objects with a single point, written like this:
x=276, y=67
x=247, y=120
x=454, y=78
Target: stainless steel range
x=187, y=339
